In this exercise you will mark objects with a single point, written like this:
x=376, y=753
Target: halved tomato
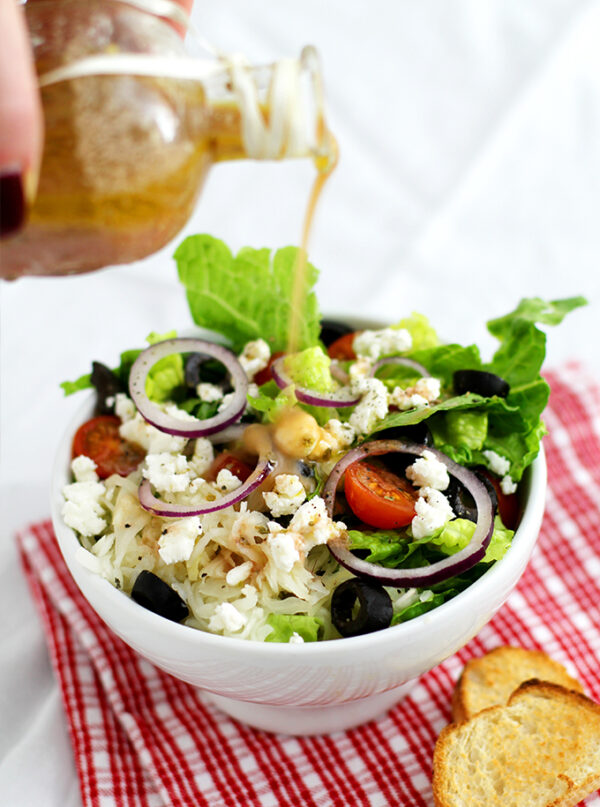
x=342, y=349
x=379, y=497
x=228, y=460
x=509, y=507
x=99, y=439
x=265, y=374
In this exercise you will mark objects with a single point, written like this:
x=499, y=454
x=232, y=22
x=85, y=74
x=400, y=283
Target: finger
x=20, y=119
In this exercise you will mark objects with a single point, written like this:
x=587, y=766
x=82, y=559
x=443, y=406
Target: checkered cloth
x=144, y=739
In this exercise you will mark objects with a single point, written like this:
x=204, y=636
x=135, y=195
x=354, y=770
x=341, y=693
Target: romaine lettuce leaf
x=247, y=296
x=166, y=376
x=310, y=368
x=284, y=625
x=421, y=330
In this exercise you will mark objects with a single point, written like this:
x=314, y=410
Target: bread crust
x=536, y=713
x=489, y=679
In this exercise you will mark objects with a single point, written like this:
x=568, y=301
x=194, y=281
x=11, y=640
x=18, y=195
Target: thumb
x=21, y=131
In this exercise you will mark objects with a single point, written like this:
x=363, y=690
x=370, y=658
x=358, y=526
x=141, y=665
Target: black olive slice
x=461, y=501
x=415, y=433
x=480, y=382
x=331, y=330
x=201, y=368
x=358, y=607
x=154, y=594
x=107, y=385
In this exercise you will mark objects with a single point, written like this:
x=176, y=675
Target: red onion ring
x=400, y=360
x=159, y=508
x=184, y=428
x=337, y=399
x=423, y=575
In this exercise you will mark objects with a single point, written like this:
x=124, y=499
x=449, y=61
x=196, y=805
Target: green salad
x=354, y=484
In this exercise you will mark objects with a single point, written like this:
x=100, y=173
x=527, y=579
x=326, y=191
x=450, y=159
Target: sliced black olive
x=481, y=383
x=201, y=368
x=154, y=594
x=107, y=385
x=415, y=433
x=461, y=500
x=358, y=607
x=331, y=330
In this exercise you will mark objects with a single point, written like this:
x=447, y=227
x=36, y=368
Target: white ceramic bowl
x=312, y=688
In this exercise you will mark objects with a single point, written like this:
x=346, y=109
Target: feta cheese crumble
x=209, y=392
x=227, y=618
x=428, y=471
x=373, y=405
x=287, y=495
x=496, y=463
x=283, y=550
x=84, y=469
x=83, y=510
x=313, y=523
x=385, y=342
x=432, y=510
x=176, y=542
x=167, y=473
x=226, y=482
x=255, y=357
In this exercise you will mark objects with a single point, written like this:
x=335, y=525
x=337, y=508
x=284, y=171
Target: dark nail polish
x=12, y=202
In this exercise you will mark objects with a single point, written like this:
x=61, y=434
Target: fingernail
x=12, y=202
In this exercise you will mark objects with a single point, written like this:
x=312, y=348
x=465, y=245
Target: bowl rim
x=524, y=540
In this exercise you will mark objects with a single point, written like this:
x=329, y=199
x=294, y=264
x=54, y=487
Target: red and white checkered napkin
x=142, y=738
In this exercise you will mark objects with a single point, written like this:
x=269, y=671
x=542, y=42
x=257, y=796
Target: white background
x=469, y=177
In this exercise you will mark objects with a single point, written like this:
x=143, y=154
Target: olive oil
x=126, y=154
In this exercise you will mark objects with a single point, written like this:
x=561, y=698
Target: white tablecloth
x=469, y=177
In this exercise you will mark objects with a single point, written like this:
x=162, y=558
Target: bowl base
x=310, y=720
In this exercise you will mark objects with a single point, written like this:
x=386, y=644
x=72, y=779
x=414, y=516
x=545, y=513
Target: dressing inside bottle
x=132, y=126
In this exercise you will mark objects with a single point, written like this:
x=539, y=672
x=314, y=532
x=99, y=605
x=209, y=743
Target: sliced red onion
x=423, y=575
x=406, y=362
x=159, y=508
x=339, y=373
x=152, y=412
x=340, y=398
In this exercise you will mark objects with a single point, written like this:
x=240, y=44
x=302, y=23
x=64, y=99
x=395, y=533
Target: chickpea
x=296, y=433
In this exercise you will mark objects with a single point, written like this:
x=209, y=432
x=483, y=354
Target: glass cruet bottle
x=132, y=126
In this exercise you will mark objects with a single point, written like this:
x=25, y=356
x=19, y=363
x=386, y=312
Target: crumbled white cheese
x=496, y=463
x=423, y=393
x=82, y=510
x=209, y=392
x=361, y=368
x=84, y=469
x=508, y=485
x=176, y=542
x=203, y=456
x=432, y=512
x=343, y=433
x=173, y=411
x=295, y=638
x=373, y=405
x=227, y=618
x=385, y=342
x=137, y=430
x=287, y=495
x=124, y=407
x=283, y=550
x=255, y=357
x=238, y=574
x=226, y=482
x=226, y=401
x=428, y=471
x=167, y=473
x=313, y=523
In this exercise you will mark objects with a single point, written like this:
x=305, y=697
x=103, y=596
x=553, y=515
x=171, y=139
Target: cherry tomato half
x=99, y=439
x=266, y=375
x=342, y=349
x=509, y=508
x=379, y=497
x=228, y=460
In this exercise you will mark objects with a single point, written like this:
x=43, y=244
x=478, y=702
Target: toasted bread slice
x=489, y=680
x=540, y=750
